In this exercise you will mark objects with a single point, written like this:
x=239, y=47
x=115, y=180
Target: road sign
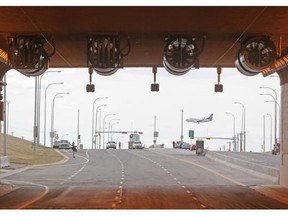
x=156, y=134
x=191, y=134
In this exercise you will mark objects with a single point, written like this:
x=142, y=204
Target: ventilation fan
x=255, y=54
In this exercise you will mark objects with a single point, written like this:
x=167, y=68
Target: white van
x=138, y=145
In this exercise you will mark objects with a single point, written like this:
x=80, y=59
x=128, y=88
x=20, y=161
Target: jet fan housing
x=180, y=54
x=255, y=54
x=104, y=54
x=29, y=54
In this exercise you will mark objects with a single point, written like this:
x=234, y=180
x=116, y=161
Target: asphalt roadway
x=136, y=179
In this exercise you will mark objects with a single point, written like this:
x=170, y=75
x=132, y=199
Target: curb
x=64, y=160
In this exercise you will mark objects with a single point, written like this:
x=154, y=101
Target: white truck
x=134, y=141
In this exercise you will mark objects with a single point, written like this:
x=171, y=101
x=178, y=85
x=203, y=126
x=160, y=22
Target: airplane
x=195, y=120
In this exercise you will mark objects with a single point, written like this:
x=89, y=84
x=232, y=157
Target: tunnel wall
x=284, y=128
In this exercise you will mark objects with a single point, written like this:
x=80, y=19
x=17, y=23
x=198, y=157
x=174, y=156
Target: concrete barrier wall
x=253, y=168
x=4, y=161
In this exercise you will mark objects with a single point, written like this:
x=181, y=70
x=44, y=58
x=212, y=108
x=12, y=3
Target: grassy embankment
x=21, y=151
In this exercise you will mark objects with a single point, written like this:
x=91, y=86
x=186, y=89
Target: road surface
x=136, y=179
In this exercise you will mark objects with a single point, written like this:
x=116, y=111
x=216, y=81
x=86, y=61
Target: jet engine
x=180, y=54
x=29, y=55
x=256, y=53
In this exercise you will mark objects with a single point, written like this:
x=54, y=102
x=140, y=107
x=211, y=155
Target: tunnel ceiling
x=147, y=28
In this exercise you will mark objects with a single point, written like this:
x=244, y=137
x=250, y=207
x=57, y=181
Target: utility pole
x=270, y=130
x=78, y=135
x=5, y=120
x=263, y=147
x=234, y=135
x=243, y=129
x=181, y=137
x=35, y=128
x=155, y=135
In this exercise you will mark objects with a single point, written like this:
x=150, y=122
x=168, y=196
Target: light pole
x=38, y=80
x=155, y=137
x=100, y=128
x=36, y=110
x=111, y=126
x=93, y=117
x=275, y=101
x=243, y=132
x=5, y=119
x=96, y=123
x=7, y=116
x=78, y=129
x=52, y=117
x=263, y=147
x=104, y=127
x=46, y=109
x=234, y=136
x=181, y=137
x=52, y=134
x=270, y=130
x=275, y=116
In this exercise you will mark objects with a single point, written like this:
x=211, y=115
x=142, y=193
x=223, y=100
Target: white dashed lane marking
x=174, y=178
x=79, y=170
x=118, y=195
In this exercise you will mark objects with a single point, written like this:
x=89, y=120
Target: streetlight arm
x=270, y=89
x=274, y=102
x=270, y=96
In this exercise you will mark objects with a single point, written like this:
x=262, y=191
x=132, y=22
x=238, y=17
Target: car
x=56, y=144
x=185, y=145
x=111, y=144
x=64, y=146
x=193, y=147
x=182, y=145
x=138, y=145
x=177, y=144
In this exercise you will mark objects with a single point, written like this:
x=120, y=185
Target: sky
x=130, y=98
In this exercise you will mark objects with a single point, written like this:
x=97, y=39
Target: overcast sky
x=130, y=98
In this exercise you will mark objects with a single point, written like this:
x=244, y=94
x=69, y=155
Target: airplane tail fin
x=210, y=117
